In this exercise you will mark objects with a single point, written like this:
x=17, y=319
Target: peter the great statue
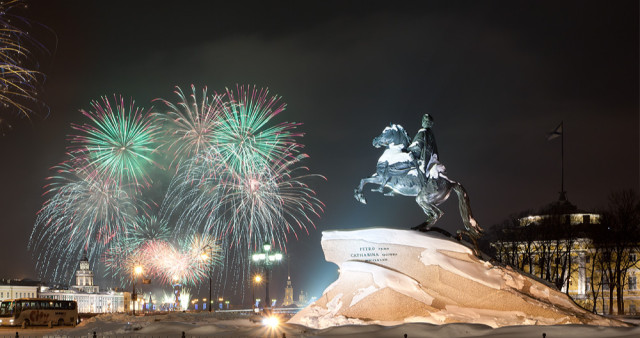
x=414, y=169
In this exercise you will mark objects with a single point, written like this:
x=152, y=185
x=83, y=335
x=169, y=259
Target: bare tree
x=619, y=240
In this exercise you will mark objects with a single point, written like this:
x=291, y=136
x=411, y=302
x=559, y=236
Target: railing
x=290, y=310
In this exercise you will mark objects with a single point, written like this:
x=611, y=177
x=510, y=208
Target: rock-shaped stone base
x=390, y=276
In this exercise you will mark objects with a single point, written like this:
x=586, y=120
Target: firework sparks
x=239, y=182
x=82, y=215
x=264, y=202
x=188, y=260
x=20, y=84
x=119, y=143
x=190, y=124
x=245, y=138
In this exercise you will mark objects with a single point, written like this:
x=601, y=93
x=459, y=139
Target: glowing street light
x=256, y=280
x=137, y=271
x=204, y=258
x=267, y=258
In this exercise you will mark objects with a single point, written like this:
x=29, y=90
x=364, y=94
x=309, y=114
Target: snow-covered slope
x=390, y=276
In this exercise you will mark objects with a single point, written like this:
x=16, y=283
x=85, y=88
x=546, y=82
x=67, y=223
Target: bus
x=38, y=311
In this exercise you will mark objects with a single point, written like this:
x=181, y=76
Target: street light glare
x=137, y=270
x=267, y=247
x=271, y=322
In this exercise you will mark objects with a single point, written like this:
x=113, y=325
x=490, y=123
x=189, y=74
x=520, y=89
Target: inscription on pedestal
x=372, y=254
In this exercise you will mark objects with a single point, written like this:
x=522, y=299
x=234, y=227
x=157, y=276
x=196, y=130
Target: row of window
x=89, y=300
x=632, y=283
x=17, y=294
x=45, y=305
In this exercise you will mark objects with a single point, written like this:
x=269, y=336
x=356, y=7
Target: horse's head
x=393, y=134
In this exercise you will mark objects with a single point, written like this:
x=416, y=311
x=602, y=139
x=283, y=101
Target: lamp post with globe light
x=267, y=258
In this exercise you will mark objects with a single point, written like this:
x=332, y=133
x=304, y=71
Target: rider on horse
x=425, y=150
x=414, y=170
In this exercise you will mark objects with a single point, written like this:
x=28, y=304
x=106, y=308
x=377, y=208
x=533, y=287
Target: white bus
x=38, y=311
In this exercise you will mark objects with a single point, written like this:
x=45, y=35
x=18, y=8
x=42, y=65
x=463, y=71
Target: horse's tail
x=470, y=223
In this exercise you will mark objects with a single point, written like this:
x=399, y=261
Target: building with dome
x=88, y=295
x=556, y=245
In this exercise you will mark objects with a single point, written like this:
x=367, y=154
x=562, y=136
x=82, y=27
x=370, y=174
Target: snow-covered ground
x=217, y=325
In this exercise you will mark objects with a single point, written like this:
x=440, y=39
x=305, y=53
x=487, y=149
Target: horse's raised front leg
x=382, y=171
x=357, y=193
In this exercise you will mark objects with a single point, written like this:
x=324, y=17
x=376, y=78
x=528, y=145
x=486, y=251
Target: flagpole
x=563, y=196
x=559, y=131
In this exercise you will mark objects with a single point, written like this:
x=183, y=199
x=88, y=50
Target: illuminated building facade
x=88, y=295
x=557, y=246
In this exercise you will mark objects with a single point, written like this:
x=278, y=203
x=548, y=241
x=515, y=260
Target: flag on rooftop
x=555, y=133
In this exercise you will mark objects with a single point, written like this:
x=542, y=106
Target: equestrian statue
x=414, y=169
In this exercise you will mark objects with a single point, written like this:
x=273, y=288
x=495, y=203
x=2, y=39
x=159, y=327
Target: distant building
x=302, y=299
x=88, y=295
x=84, y=278
x=288, y=293
x=553, y=244
x=13, y=288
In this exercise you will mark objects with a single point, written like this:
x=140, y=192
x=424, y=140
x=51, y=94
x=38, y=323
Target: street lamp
x=205, y=257
x=267, y=258
x=256, y=280
x=136, y=272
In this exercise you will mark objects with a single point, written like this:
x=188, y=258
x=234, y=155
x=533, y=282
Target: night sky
x=496, y=76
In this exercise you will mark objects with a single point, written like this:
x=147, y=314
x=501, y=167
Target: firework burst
x=119, y=143
x=245, y=137
x=147, y=228
x=238, y=181
x=190, y=124
x=248, y=187
x=269, y=202
x=82, y=216
x=163, y=258
x=20, y=84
